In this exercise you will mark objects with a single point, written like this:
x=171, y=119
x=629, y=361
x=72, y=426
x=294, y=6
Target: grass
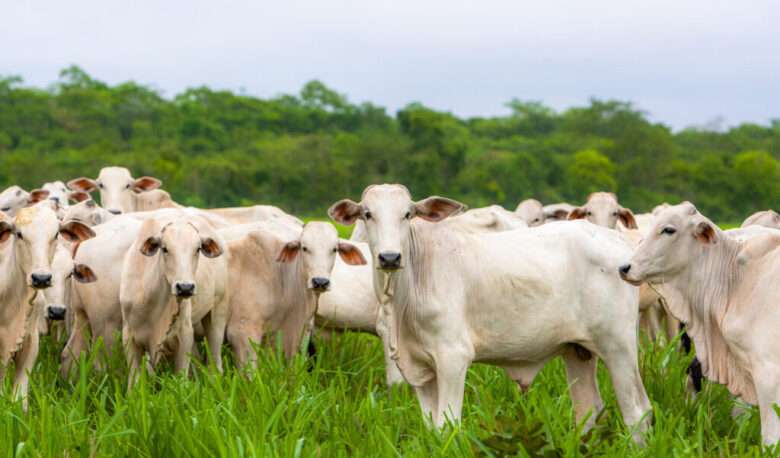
x=337, y=405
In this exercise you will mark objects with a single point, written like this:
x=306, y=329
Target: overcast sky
x=685, y=62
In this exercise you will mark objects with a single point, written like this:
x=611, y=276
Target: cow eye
x=536, y=220
x=614, y=213
x=19, y=236
x=335, y=250
x=127, y=186
x=100, y=185
x=408, y=215
x=165, y=250
x=367, y=215
x=668, y=230
x=305, y=250
x=588, y=214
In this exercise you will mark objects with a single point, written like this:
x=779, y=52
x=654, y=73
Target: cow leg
x=766, y=377
x=451, y=382
x=215, y=334
x=428, y=397
x=76, y=343
x=186, y=337
x=620, y=357
x=583, y=386
x=25, y=360
x=134, y=353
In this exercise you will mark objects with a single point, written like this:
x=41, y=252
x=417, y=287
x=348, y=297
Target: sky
x=684, y=62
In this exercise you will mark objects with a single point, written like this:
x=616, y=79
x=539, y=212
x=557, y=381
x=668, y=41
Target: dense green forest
x=303, y=152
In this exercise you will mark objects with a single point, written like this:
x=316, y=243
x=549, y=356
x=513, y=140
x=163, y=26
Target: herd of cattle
x=442, y=286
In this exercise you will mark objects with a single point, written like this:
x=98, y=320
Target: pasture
x=337, y=405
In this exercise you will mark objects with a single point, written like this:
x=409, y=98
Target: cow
x=59, y=194
x=557, y=212
x=121, y=193
x=173, y=277
x=766, y=218
x=27, y=247
x=277, y=274
x=515, y=299
x=603, y=209
x=725, y=290
x=532, y=212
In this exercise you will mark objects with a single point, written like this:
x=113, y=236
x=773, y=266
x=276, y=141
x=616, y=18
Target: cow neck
x=706, y=287
x=13, y=282
x=293, y=285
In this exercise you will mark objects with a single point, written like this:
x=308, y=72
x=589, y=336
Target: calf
x=173, y=276
x=515, y=299
x=725, y=290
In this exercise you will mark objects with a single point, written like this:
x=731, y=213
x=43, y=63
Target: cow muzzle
x=40, y=280
x=184, y=289
x=624, y=274
x=389, y=260
x=56, y=312
x=320, y=284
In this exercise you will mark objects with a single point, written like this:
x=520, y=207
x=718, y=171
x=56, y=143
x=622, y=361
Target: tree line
x=216, y=148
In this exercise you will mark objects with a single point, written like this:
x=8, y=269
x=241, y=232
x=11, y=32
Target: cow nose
x=55, y=199
x=320, y=283
x=389, y=260
x=41, y=280
x=114, y=211
x=55, y=312
x=185, y=289
x=624, y=268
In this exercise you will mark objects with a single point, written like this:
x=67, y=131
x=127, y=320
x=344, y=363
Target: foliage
x=303, y=152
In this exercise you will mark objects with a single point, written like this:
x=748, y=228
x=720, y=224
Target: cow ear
x=351, y=255
x=83, y=274
x=345, y=211
x=560, y=214
x=75, y=231
x=82, y=184
x=210, y=248
x=6, y=231
x=150, y=246
x=704, y=233
x=289, y=251
x=79, y=196
x=38, y=195
x=577, y=213
x=627, y=218
x=144, y=184
x=437, y=208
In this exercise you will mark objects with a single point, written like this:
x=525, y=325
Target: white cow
x=27, y=247
x=515, y=299
x=121, y=193
x=173, y=277
x=725, y=289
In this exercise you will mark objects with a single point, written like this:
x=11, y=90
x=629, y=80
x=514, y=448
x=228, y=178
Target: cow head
x=34, y=232
x=387, y=211
x=13, y=199
x=58, y=194
x=88, y=212
x=180, y=244
x=117, y=188
x=531, y=211
x=317, y=248
x=679, y=233
x=64, y=271
x=603, y=209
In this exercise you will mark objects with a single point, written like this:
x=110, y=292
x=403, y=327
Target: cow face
x=678, y=233
x=387, y=211
x=317, y=248
x=58, y=194
x=117, y=188
x=531, y=211
x=13, y=199
x=34, y=233
x=602, y=209
x=64, y=271
x=180, y=245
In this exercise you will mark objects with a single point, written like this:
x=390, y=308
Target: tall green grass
x=337, y=405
